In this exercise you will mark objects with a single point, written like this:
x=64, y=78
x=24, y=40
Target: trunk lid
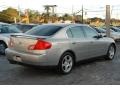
x=22, y=42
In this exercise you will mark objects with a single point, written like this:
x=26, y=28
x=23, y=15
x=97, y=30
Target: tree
x=34, y=16
x=78, y=18
x=47, y=8
x=8, y=15
x=96, y=19
x=67, y=17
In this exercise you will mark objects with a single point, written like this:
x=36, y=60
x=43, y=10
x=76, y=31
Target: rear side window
x=75, y=32
x=44, y=30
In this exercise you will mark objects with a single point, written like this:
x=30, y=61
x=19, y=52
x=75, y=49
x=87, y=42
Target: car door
x=96, y=46
x=78, y=42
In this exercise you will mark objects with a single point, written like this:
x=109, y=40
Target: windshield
x=25, y=28
x=44, y=30
x=13, y=29
x=9, y=29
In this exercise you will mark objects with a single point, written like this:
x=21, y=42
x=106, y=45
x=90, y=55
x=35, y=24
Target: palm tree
x=47, y=8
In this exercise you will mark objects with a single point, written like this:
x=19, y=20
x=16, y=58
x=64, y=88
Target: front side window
x=90, y=33
x=75, y=32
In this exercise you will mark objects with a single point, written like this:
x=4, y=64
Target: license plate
x=17, y=58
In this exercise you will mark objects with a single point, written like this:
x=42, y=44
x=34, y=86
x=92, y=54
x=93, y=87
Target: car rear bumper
x=30, y=59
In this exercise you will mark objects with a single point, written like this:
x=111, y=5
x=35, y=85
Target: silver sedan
x=5, y=31
x=61, y=45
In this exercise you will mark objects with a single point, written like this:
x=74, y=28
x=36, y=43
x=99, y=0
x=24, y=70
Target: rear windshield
x=44, y=30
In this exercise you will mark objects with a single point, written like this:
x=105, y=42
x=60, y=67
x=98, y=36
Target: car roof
x=65, y=25
x=24, y=24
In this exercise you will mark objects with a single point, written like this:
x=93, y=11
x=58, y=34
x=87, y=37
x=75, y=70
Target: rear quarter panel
x=59, y=46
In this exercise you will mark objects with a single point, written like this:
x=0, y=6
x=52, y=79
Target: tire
x=2, y=48
x=12, y=62
x=66, y=63
x=111, y=52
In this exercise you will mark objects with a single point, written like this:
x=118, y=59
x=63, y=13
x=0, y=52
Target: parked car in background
x=115, y=36
x=25, y=27
x=5, y=31
x=60, y=45
x=116, y=29
x=115, y=33
x=101, y=31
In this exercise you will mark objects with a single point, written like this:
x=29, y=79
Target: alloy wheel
x=111, y=52
x=67, y=63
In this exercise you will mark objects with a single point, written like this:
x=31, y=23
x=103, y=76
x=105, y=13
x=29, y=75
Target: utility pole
x=53, y=11
x=19, y=14
x=82, y=15
x=73, y=15
x=47, y=8
x=107, y=21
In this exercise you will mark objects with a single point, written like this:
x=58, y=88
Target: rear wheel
x=2, y=48
x=12, y=62
x=66, y=63
x=111, y=52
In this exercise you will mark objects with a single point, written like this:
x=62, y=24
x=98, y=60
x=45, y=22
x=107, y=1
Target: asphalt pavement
x=95, y=72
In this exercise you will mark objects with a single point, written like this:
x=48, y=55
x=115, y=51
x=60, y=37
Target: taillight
x=40, y=45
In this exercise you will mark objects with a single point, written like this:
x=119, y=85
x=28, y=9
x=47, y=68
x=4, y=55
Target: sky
x=66, y=6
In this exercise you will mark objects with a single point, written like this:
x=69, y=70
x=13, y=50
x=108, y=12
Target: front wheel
x=66, y=63
x=111, y=52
